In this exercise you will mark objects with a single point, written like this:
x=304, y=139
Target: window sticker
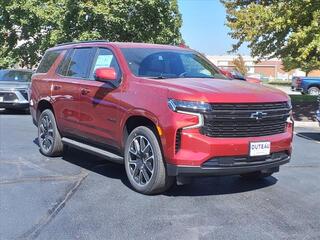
x=103, y=61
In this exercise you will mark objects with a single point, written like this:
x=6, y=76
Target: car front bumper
x=202, y=155
x=14, y=99
x=266, y=164
x=15, y=105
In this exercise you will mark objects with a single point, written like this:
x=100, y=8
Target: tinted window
x=80, y=62
x=63, y=67
x=47, y=61
x=105, y=58
x=14, y=75
x=166, y=63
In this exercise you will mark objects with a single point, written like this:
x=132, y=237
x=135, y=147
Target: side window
x=80, y=63
x=47, y=61
x=64, y=65
x=105, y=58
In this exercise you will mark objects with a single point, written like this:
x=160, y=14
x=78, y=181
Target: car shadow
x=96, y=164
x=205, y=186
x=313, y=136
x=202, y=186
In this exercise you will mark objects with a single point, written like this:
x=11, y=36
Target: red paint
x=103, y=74
x=94, y=111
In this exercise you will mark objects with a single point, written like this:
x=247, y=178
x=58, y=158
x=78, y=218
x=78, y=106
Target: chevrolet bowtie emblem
x=258, y=115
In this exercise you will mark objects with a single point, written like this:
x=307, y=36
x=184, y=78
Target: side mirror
x=105, y=74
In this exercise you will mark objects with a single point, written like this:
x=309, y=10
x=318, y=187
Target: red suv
x=166, y=112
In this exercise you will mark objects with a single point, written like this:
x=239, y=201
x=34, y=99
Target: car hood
x=6, y=85
x=219, y=90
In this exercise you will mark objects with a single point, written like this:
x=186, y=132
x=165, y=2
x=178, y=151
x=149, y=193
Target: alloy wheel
x=46, y=137
x=141, y=160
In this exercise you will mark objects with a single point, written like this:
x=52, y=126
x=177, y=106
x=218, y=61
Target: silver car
x=14, y=89
x=318, y=111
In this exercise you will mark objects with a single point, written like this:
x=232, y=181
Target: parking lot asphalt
x=80, y=196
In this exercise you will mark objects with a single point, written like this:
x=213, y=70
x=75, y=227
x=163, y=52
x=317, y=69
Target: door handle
x=56, y=87
x=85, y=91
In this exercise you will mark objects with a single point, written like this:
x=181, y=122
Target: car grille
x=8, y=96
x=246, y=120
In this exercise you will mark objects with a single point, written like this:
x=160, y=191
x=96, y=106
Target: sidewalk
x=306, y=124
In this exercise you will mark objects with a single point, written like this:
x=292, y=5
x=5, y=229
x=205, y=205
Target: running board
x=93, y=150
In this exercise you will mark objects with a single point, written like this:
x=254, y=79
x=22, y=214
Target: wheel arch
x=43, y=105
x=137, y=120
x=317, y=85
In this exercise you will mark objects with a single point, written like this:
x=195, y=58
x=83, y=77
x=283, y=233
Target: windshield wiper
x=159, y=77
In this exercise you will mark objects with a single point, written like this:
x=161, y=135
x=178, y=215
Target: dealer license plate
x=259, y=148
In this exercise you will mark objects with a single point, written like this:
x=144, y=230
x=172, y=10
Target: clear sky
x=204, y=27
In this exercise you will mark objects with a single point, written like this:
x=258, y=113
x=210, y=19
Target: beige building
x=267, y=69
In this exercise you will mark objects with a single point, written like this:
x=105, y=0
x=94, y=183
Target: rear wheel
x=314, y=91
x=144, y=162
x=48, y=135
x=256, y=175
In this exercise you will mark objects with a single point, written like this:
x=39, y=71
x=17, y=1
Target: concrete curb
x=306, y=124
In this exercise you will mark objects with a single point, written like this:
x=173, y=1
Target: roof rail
x=70, y=43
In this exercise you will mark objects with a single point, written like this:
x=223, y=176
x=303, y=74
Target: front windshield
x=166, y=63
x=15, y=76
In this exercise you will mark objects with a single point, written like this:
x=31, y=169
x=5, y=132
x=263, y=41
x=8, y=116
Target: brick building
x=268, y=69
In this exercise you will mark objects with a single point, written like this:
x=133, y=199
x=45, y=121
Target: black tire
x=158, y=181
x=56, y=146
x=315, y=91
x=256, y=175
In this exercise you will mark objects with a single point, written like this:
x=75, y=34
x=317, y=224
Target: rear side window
x=47, y=61
x=64, y=65
x=80, y=63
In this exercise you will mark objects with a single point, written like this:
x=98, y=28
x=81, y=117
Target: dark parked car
x=306, y=85
x=14, y=89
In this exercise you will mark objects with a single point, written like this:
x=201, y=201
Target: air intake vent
x=178, y=141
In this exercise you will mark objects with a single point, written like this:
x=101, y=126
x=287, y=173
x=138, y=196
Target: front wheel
x=144, y=162
x=314, y=91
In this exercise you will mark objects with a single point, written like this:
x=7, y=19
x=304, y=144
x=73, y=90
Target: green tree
x=278, y=28
x=29, y=27
x=240, y=65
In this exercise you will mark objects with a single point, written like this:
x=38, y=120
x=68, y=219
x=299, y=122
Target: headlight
x=191, y=108
x=188, y=106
